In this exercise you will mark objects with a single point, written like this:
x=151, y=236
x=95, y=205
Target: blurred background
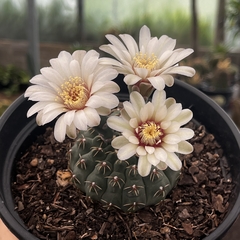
x=34, y=31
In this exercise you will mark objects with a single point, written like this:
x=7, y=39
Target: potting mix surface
x=195, y=207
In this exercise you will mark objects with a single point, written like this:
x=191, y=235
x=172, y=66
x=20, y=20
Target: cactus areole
x=99, y=173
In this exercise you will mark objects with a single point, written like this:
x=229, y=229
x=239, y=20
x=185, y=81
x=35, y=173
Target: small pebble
x=20, y=206
x=63, y=177
x=50, y=161
x=34, y=162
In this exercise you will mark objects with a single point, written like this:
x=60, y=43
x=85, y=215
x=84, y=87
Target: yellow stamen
x=150, y=134
x=74, y=93
x=142, y=60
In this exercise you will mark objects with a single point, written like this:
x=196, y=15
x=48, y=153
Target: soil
x=195, y=207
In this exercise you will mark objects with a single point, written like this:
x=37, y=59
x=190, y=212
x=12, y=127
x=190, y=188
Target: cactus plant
x=79, y=91
x=99, y=173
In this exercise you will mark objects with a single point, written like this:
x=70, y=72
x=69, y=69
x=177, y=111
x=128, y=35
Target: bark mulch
x=194, y=208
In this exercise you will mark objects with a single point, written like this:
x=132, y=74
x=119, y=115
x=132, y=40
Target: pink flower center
x=149, y=133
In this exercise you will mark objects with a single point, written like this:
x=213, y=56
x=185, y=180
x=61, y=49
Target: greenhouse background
x=58, y=21
x=34, y=31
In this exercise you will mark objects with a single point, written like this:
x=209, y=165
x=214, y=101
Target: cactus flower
x=152, y=131
x=76, y=88
x=152, y=62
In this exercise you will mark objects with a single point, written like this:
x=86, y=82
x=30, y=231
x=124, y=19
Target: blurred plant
x=13, y=79
x=57, y=23
x=4, y=103
x=79, y=46
x=214, y=71
x=233, y=16
x=169, y=27
x=12, y=20
x=222, y=74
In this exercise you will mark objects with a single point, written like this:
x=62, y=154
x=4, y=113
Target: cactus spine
x=103, y=177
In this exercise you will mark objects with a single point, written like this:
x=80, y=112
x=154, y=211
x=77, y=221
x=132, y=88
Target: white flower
x=76, y=87
x=152, y=61
x=152, y=131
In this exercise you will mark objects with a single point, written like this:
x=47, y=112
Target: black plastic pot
x=17, y=132
x=225, y=95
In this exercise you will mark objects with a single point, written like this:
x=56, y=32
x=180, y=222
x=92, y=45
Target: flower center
x=149, y=134
x=74, y=93
x=142, y=60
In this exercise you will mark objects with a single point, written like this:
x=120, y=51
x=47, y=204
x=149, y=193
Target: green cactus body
x=103, y=177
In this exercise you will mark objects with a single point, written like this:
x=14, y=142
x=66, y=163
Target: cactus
x=103, y=177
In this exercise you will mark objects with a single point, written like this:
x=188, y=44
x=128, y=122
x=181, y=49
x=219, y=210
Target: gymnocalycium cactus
x=132, y=182
x=123, y=155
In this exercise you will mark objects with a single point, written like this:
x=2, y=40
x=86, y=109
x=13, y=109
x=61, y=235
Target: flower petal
x=68, y=117
x=50, y=115
x=60, y=129
x=160, y=153
x=36, y=108
x=184, y=117
x=102, y=99
x=165, y=124
x=141, y=151
x=128, y=108
x=152, y=159
x=185, y=147
x=127, y=151
x=92, y=116
x=146, y=112
x=118, y=124
x=160, y=114
x=173, y=161
x=162, y=165
x=185, y=133
x=119, y=142
x=173, y=128
x=133, y=139
x=144, y=167
x=158, y=99
x=170, y=147
x=168, y=79
x=173, y=111
x=137, y=101
x=177, y=56
x=149, y=149
x=133, y=122
x=131, y=79
x=103, y=111
x=80, y=120
x=130, y=43
x=157, y=82
x=144, y=37
x=71, y=131
x=171, y=139
x=182, y=70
